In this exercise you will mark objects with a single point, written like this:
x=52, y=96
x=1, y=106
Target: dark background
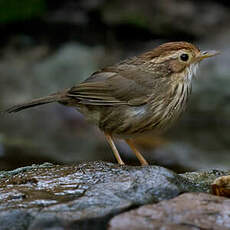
x=49, y=45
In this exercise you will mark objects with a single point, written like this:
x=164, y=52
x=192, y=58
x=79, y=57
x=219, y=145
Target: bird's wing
x=114, y=87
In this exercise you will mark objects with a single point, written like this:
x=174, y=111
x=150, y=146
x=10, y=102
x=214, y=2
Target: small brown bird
x=139, y=95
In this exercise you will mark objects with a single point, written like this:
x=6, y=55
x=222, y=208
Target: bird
x=140, y=95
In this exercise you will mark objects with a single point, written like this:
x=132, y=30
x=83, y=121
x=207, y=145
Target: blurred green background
x=49, y=45
x=12, y=10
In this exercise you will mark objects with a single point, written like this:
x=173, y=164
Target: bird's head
x=177, y=58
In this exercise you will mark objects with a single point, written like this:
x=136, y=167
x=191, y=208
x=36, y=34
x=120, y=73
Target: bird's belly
x=92, y=115
x=129, y=121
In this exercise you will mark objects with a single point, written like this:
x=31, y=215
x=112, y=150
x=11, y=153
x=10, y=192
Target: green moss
x=201, y=181
x=18, y=10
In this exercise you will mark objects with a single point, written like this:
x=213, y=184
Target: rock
x=79, y=196
x=189, y=211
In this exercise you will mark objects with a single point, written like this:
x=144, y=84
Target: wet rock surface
x=190, y=211
x=87, y=195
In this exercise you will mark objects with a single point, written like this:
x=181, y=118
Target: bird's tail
x=35, y=102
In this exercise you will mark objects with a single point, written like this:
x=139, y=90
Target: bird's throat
x=191, y=71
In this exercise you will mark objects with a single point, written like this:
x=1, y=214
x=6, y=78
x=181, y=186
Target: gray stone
x=191, y=211
x=15, y=219
x=75, y=197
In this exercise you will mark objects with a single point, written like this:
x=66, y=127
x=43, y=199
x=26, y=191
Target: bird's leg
x=113, y=147
x=137, y=153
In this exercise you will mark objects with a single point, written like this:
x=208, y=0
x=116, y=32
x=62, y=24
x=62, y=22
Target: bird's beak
x=207, y=54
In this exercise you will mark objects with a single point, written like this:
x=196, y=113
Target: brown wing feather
x=114, y=87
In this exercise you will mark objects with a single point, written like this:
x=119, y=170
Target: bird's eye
x=184, y=57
